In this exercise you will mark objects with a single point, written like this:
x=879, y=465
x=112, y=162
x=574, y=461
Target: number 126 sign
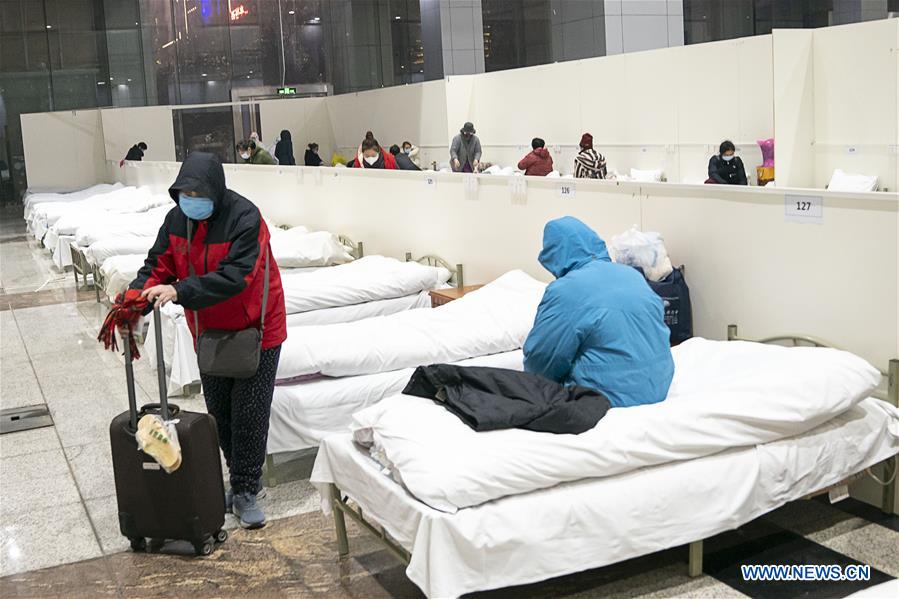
x=804, y=209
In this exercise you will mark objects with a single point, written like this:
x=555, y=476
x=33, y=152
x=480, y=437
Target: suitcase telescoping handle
x=160, y=373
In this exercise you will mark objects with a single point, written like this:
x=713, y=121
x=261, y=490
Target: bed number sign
x=804, y=209
x=567, y=191
x=430, y=182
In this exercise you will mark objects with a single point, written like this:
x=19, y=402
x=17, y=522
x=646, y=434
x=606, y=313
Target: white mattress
x=107, y=225
x=33, y=199
x=305, y=413
x=367, y=279
x=491, y=320
x=591, y=523
x=724, y=394
x=99, y=251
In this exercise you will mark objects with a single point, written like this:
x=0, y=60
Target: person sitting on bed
x=373, y=155
x=599, y=325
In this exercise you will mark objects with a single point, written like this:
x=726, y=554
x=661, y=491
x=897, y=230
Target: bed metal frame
x=81, y=266
x=457, y=273
x=341, y=506
x=356, y=249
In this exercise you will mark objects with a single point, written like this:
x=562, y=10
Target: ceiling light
x=202, y=74
x=129, y=81
x=112, y=78
x=49, y=26
x=396, y=18
x=291, y=12
x=101, y=83
x=167, y=44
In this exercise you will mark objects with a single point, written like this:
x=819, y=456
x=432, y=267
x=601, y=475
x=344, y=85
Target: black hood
x=202, y=173
x=285, y=135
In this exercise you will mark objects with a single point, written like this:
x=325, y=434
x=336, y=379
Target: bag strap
x=190, y=269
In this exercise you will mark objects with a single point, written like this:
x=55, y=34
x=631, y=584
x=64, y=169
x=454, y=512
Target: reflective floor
x=59, y=531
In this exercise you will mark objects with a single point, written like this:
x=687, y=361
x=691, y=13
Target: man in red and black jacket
x=223, y=290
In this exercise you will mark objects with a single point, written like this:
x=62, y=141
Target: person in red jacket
x=222, y=289
x=538, y=163
x=373, y=156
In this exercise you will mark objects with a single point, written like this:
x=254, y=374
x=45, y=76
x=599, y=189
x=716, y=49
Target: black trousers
x=241, y=408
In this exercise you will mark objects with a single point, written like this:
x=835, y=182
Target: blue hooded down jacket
x=599, y=325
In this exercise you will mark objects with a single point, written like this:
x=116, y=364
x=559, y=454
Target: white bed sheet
x=61, y=250
x=108, y=225
x=305, y=413
x=181, y=358
x=491, y=320
x=120, y=271
x=33, y=199
x=591, y=523
x=367, y=279
x=724, y=394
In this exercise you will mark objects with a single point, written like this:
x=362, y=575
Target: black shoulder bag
x=230, y=354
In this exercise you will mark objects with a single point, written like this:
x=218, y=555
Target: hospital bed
x=592, y=522
x=365, y=361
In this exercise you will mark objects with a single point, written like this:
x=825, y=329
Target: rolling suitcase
x=189, y=503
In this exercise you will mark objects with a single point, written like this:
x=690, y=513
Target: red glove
x=124, y=315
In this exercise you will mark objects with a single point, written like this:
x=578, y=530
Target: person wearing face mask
x=465, y=150
x=210, y=257
x=373, y=156
x=725, y=168
x=412, y=152
x=403, y=162
x=252, y=153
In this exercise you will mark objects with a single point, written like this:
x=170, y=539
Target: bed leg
x=889, y=491
x=695, y=565
x=343, y=543
x=75, y=272
x=269, y=472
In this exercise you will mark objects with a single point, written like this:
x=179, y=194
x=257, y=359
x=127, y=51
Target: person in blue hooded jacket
x=599, y=325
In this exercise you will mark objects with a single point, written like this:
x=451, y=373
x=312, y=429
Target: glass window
x=408, y=50
x=517, y=33
x=205, y=130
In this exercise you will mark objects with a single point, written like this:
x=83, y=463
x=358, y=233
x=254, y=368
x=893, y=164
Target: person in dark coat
x=136, y=152
x=403, y=162
x=311, y=158
x=284, y=150
x=725, y=168
x=219, y=279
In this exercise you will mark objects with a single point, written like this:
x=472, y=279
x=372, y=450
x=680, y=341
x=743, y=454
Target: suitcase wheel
x=155, y=545
x=204, y=548
x=221, y=536
x=138, y=544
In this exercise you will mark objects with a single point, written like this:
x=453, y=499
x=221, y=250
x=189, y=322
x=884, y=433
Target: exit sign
x=286, y=91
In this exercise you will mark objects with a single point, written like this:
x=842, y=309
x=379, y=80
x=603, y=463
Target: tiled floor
x=57, y=499
x=59, y=532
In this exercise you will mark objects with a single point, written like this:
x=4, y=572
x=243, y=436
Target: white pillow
x=297, y=248
x=649, y=176
x=554, y=174
x=841, y=181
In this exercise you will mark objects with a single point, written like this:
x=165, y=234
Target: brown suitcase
x=189, y=503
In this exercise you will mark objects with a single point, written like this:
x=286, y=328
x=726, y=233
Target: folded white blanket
x=99, y=251
x=724, y=395
x=493, y=319
x=364, y=280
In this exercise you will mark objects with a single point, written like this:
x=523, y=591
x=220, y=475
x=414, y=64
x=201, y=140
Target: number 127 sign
x=804, y=209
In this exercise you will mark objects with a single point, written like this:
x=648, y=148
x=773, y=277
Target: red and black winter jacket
x=229, y=267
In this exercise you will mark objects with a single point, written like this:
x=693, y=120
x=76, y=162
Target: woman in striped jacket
x=589, y=164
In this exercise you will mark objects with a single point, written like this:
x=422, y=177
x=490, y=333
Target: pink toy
x=767, y=146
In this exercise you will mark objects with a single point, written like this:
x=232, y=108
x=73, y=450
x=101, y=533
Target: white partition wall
x=856, y=73
x=794, y=107
x=64, y=150
x=124, y=127
x=307, y=119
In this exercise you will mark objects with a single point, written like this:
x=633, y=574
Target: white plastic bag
x=158, y=438
x=643, y=249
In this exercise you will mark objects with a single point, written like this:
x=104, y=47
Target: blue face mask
x=727, y=158
x=195, y=208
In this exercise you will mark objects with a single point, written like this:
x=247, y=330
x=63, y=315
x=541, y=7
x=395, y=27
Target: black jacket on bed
x=488, y=399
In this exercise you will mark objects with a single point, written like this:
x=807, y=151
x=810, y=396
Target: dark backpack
x=678, y=310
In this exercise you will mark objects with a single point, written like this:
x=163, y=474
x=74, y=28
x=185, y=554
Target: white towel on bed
x=493, y=319
x=725, y=394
